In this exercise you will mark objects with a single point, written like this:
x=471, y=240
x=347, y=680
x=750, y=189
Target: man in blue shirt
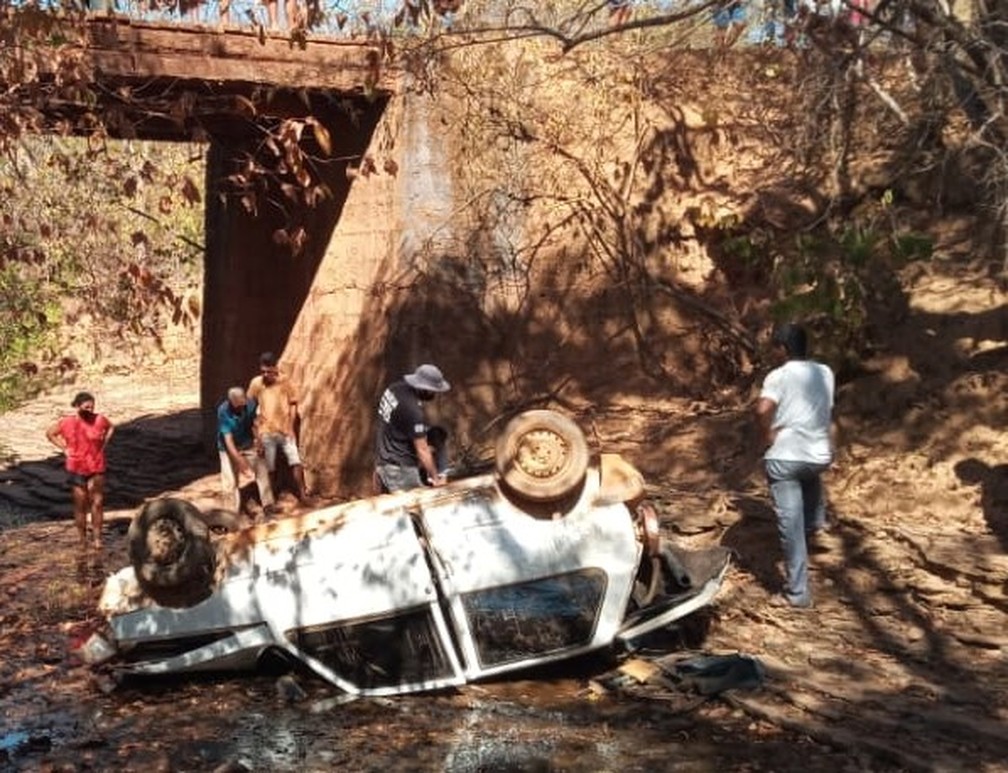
x=240, y=452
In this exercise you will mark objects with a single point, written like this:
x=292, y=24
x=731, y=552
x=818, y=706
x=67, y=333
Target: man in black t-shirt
x=402, y=450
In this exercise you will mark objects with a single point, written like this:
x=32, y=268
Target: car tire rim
x=542, y=454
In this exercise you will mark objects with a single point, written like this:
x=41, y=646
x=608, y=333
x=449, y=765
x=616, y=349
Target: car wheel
x=542, y=456
x=170, y=550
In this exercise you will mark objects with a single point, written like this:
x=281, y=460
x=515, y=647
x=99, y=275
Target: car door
x=353, y=596
x=522, y=590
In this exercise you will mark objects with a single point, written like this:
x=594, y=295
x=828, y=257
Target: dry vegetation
x=632, y=175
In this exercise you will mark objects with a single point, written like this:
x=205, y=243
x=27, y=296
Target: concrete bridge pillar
x=254, y=287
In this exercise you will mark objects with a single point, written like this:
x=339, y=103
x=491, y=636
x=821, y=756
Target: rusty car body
x=416, y=590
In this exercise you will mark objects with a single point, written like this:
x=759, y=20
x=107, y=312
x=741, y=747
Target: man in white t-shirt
x=794, y=412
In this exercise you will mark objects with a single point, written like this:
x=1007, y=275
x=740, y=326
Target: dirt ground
x=900, y=665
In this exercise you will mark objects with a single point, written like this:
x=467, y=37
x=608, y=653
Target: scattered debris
x=713, y=674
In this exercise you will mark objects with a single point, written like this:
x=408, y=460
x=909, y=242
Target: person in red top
x=83, y=437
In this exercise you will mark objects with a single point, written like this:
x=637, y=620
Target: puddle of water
x=278, y=742
x=202, y=724
x=11, y=741
x=502, y=736
x=26, y=734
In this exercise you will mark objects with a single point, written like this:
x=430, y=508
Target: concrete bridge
x=229, y=87
x=425, y=246
x=396, y=267
x=178, y=81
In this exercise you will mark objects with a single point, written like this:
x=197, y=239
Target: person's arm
x=255, y=387
x=242, y=466
x=292, y=411
x=54, y=436
x=426, y=457
x=765, y=410
x=109, y=430
x=255, y=426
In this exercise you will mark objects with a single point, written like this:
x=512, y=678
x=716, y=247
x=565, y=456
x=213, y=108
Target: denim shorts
x=276, y=441
x=724, y=17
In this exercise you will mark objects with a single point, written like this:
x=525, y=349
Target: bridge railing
x=755, y=22
x=330, y=19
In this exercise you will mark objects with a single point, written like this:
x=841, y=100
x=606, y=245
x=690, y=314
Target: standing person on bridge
x=619, y=12
x=83, y=436
x=794, y=412
x=292, y=11
x=729, y=23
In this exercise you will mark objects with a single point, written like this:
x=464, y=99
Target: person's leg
x=262, y=477
x=79, y=497
x=271, y=442
x=230, y=493
x=813, y=502
x=297, y=471
x=96, y=496
x=786, y=491
x=718, y=37
x=734, y=34
x=293, y=457
x=271, y=13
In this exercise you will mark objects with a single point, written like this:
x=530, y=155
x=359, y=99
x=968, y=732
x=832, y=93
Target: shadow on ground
x=147, y=457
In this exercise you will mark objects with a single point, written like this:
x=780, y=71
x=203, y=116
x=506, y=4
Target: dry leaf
x=321, y=136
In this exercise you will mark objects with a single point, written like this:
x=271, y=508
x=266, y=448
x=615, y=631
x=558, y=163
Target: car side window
x=395, y=649
x=528, y=619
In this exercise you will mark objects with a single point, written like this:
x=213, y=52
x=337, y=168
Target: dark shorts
x=396, y=478
x=76, y=480
x=725, y=17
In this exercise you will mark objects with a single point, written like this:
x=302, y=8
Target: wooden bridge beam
x=125, y=48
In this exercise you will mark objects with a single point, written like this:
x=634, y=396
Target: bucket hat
x=427, y=378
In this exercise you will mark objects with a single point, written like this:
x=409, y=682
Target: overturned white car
x=553, y=555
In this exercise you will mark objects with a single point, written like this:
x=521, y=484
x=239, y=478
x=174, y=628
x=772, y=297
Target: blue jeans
x=801, y=509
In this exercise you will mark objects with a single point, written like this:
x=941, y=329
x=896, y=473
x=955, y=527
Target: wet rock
x=95, y=650
x=37, y=743
x=104, y=682
x=289, y=691
x=90, y=742
x=328, y=704
x=232, y=766
x=45, y=653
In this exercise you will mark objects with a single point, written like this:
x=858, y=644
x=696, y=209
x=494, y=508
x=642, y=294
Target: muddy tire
x=170, y=550
x=542, y=456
